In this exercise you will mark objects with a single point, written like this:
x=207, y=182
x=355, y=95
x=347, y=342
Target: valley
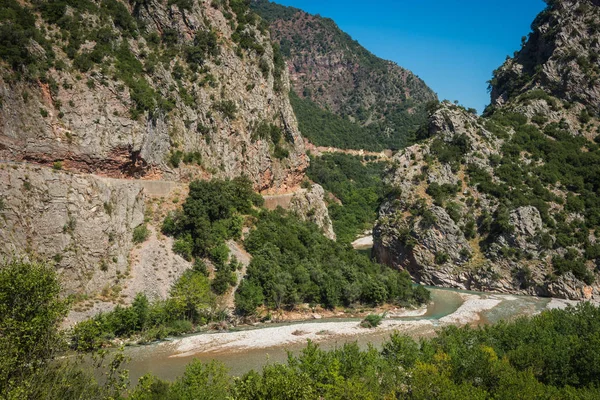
x=189, y=189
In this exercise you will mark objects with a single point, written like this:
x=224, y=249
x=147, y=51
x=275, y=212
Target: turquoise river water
x=158, y=360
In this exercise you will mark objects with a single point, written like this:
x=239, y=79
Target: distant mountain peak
x=334, y=71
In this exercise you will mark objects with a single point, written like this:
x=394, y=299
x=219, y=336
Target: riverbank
x=408, y=322
x=251, y=347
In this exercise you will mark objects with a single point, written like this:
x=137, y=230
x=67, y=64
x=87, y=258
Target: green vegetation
x=17, y=28
x=371, y=321
x=191, y=158
x=294, y=263
x=440, y=193
x=191, y=304
x=558, y=163
x=31, y=311
x=450, y=153
x=140, y=234
x=227, y=108
x=205, y=45
x=358, y=185
x=212, y=213
x=550, y=356
x=536, y=163
x=324, y=128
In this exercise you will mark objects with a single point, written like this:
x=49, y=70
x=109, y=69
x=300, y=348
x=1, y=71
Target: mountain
x=109, y=108
x=344, y=95
x=509, y=202
x=133, y=88
x=560, y=57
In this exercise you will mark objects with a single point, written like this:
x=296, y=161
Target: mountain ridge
x=330, y=69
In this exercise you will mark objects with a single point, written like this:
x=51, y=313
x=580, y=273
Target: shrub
x=175, y=158
x=140, y=234
x=371, y=321
x=441, y=258
x=227, y=108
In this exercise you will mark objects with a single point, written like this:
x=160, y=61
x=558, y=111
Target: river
x=246, y=349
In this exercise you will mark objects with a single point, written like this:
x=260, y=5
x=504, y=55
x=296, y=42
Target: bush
x=175, y=158
x=371, y=321
x=140, y=234
x=451, y=152
x=227, y=108
x=441, y=258
x=205, y=46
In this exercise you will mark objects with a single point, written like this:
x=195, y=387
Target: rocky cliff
x=560, y=56
x=108, y=108
x=329, y=68
x=154, y=88
x=508, y=202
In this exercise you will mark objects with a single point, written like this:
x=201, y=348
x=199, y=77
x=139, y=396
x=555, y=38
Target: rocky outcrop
x=528, y=228
x=445, y=224
x=310, y=206
x=82, y=224
x=559, y=56
x=145, y=100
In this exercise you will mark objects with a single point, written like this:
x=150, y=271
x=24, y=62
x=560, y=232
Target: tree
x=191, y=296
x=248, y=297
x=202, y=381
x=30, y=314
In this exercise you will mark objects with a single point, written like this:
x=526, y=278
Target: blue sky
x=453, y=45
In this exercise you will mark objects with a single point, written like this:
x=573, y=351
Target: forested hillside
x=357, y=190
x=344, y=96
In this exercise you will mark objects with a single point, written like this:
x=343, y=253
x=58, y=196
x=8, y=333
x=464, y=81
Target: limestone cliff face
x=114, y=107
x=560, y=56
x=448, y=226
x=131, y=102
x=310, y=206
x=81, y=223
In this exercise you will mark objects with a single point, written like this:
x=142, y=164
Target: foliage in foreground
x=294, y=263
x=551, y=356
x=31, y=342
